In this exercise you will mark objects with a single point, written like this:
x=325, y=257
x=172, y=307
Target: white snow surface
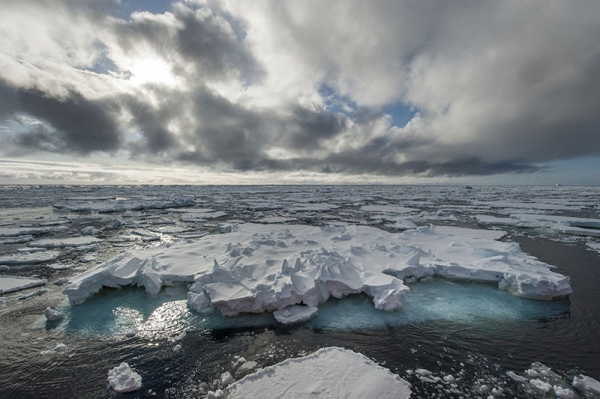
x=16, y=283
x=328, y=373
x=122, y=379
x=264, y=268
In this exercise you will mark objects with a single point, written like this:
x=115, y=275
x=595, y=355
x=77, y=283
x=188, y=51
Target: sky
x=300, y=92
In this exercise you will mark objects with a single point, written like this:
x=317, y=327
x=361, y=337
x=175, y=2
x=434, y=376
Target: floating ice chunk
x=30, y=231
x=329, y=372
x=563, y=393
x=52, y=314
x=541, y=385
x=226, y=378
x=586, y=385
x=17, y=240
x=33, y=294
x=396, y=209
x=65, y=242
x=16, y=283
x=276, y=219
x=60, y=266
x=58, y=348
x=247, y=366
x=29, y=258
x=594, y=245
x=122, y=379
x=295, y=314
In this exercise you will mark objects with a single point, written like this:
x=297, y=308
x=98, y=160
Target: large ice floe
x=266, y=268
x=328, y=373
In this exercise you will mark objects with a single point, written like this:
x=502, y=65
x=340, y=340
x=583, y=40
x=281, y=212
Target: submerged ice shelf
x=133, y=309
x=266, y=268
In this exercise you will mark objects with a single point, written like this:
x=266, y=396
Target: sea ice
x=122, y=379
x=29, y=258
x=328, y=373
x=123, y=205
x=65, y=242
x=16, y=283
x=30, y=231
x=586, y=385
x=258, y=268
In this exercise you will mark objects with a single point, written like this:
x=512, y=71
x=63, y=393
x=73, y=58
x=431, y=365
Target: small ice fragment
x=61, y=281
x=295, y=314
x=122, y=379
x=423, y=372
x=35, y=293
x=449, y=378
x=177, y=348
x=247, y=366
x=226, y=378
x=541, y=385
x=131, y=333
x=563, y=393
x=586, y=384
x=515, y=376
x=52, y=315
x=218, y=394
x=60, y=347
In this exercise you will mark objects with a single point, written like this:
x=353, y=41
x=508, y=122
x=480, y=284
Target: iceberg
x=266, y=268
x=327, y=373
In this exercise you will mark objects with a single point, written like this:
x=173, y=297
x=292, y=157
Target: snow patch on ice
x=16, y=283
x=330, y=372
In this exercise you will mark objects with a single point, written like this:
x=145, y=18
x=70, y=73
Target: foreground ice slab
x=263, y=268
x=327, y=373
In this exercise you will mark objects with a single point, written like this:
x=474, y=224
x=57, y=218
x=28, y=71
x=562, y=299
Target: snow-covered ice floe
x=265, y=268
x=16, y=283
x=561, y=224
x=29, y=258
x=328, y=373
x=65, y=242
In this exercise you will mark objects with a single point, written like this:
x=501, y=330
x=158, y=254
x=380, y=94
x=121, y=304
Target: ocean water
x=472, y=331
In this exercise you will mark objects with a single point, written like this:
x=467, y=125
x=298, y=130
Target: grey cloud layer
x=498, y=86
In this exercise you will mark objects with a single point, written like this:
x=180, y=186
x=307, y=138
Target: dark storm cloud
x=309, y=128
x=82, y=125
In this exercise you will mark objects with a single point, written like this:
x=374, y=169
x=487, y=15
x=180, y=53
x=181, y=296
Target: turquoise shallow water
x=117, y=312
